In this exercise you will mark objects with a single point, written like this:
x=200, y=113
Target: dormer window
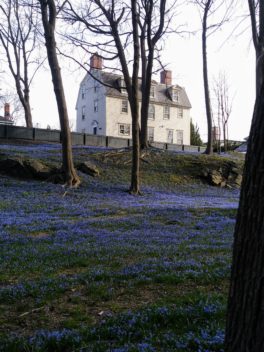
x=122, y=85
x=175, y=95
x=152, y=92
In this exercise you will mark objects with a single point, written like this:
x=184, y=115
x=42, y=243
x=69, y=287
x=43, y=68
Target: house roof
x=162, y=91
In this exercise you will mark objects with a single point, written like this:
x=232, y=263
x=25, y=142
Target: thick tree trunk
x=134, y=187
x=28, y=115
x=132, y=92
x=145, y=102
x=245, y=318
x=144, y=107
x=259, y=73
x=70, y=175
x=209, y=148
x=24, y=99
x=256, y=9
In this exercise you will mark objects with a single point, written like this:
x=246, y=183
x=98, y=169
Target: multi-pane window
x=175, y=95
x=180, y=113
x=170, y=136
x=83, y=90
x=96, y=105
x=151, y=112
x=124, y=106
x=151, y=134
x=152, y=92
x=179, y=136
x=166, y=112
x=122, y=85
x=124, y=129
x=83, y=112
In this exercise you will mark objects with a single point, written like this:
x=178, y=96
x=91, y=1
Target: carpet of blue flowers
x=96, y=269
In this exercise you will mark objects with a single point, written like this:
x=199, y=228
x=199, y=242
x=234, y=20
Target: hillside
x=158, y=168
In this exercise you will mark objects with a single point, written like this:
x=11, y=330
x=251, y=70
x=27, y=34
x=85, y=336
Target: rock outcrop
x=228, y=176
x=34, y=169
x=25, y=168
x=87, y=168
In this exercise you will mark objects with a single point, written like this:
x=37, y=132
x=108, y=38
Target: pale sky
x=182, y=56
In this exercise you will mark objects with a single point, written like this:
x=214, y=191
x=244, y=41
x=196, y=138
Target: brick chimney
x=96, y=62
x=166, y=77
x=7, y=110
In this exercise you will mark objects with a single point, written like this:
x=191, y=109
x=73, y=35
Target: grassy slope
x=161, y=168
x=96, y=267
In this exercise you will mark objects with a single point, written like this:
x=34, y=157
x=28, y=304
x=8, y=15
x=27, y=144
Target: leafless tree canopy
x=211, y=22
x=19, y=41
x=224, y=105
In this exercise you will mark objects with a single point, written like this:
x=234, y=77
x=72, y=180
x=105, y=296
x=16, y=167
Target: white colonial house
x=103, y=109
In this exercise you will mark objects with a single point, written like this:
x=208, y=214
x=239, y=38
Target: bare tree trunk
x=28, y=115
x=259, y=74
x=146, y=101
x=48, y=12
x=24, y=99
x=245, y=319
x=144, y=106
x=134, y=188
x=209, y=148
x=152, y=37
x=224, y=137
x=257, y=27
x=245, y=316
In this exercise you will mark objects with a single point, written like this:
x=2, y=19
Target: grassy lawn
x=96, y=269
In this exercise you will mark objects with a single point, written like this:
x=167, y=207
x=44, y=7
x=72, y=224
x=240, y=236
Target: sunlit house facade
x=103, y=108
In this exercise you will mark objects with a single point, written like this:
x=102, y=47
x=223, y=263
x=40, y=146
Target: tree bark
x=209, y=148
x=145, y=102
x=147, y=60
x=144, y=107
x=259, y=74
x=245, y=318
x=134, y=188
x=131, y=87
x=257, y=27
x=24, y=99
x=48, y=12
